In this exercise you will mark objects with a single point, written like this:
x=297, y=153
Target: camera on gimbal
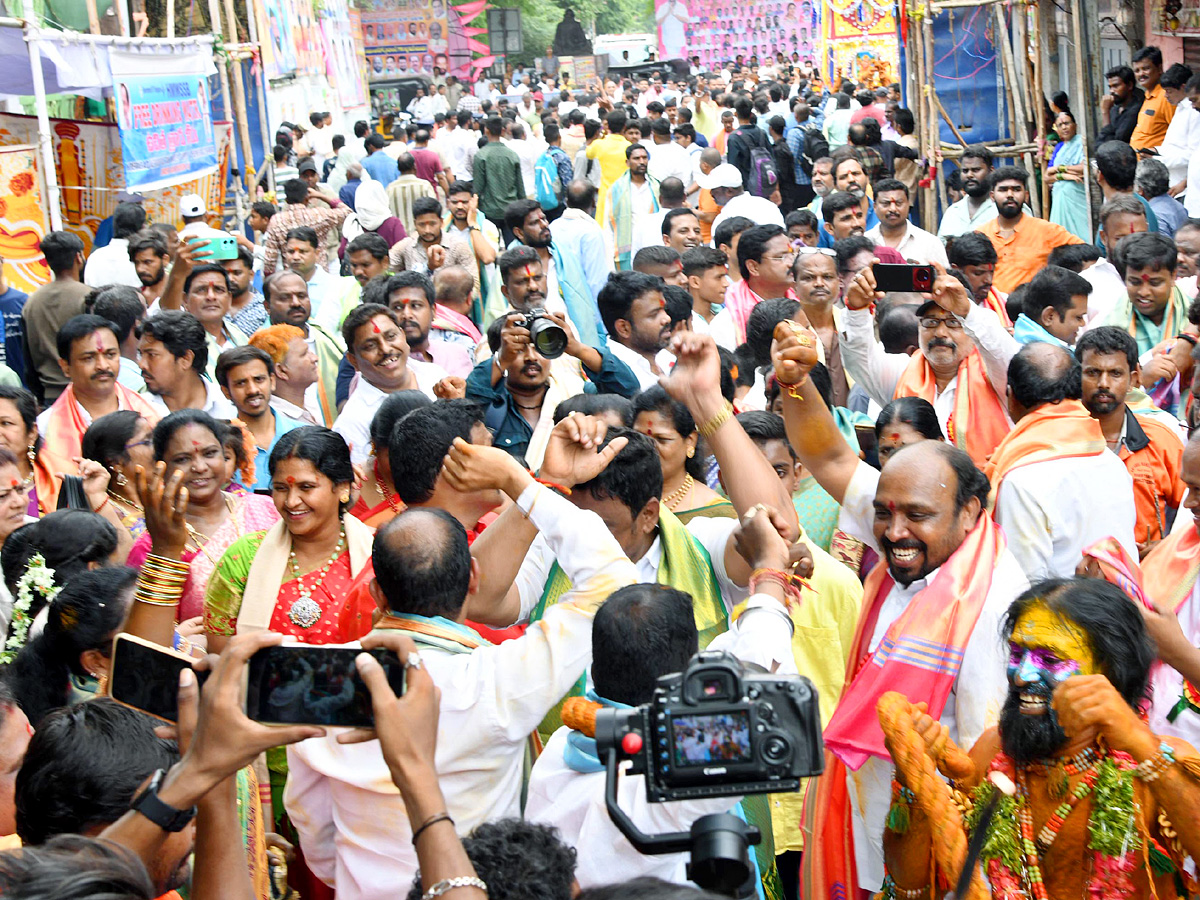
x=547, y=336
x=714, y=730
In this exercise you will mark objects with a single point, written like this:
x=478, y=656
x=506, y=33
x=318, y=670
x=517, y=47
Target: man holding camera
x=521, y=386
x=643, y=632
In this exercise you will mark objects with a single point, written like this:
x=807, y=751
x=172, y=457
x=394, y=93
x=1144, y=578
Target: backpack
x=815, y=147
x=548, y=185
x=764, y=176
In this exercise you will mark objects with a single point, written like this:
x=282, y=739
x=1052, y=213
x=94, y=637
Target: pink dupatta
x=740, y=301
x=252, y=512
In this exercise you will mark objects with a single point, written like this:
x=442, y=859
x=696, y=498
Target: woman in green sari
x=668, y=423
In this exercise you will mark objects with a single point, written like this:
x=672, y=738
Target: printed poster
x=164, y=116
x=862, y=42
x=341, y=57
x=719, y=30
x=405, y=37
x=22, y=219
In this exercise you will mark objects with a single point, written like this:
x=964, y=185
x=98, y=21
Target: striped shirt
x=401, y=194
x=321, y=219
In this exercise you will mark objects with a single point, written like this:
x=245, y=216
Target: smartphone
x=145, y=676
x=296, y=684
x=218, y=247
x=891, y=277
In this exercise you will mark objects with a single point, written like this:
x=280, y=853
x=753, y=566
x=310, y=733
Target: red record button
x=632, y=743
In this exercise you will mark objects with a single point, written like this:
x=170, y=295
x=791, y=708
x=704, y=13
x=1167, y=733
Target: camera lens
x=548, y=337
x=775, y=750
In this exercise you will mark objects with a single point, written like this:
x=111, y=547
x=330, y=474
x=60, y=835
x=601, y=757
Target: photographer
x=522, y=386
x=641, y=633
x=347, y=812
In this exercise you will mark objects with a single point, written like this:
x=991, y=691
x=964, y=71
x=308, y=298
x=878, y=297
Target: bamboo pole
x=935, y=136
x=93, y=17
x=1077, y=38
x=214, y=17
x=260, y=84
x=239, y=97
x=1033, y=94
x=1040, y=109
x=45, y=143
x=946, y=116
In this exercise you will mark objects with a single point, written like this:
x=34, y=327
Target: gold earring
x=345, y=498
x=691, y=452
x=32, y=455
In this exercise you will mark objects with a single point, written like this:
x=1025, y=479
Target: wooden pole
x=239, y=95
x=1084, y=120
x=260, y=87
x=214, y=18
x=1039, y=109
x=935, y=131
x=1020, y=48
x=93, y=17
x=45, y=142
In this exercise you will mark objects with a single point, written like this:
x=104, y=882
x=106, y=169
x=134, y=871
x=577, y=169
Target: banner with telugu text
x=164, y=117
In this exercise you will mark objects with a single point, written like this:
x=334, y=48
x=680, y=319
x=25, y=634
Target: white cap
x=192, y=205
x=726, y=175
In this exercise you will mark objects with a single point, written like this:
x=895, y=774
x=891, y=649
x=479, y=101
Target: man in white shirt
x=977, y=208
x=577, y=233
x=927, y=503
x=725, y=184
x=528, y=151
x=461, y=144
x=320, y=138
x=1048, y=503
x=1182, y=140
x=892, y=204
x=634, y=314
x=194, y=212
x=301, y=255
x=111, y=264
x=378, y=352
x=173, y=356
x=1121, y=216
x=339, y=796
x=667, y=158
x=647, y=227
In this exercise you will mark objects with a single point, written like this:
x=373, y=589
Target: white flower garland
x=36, y=577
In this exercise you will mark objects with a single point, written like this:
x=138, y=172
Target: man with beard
x=1045, y=472
x=764, y=257
x=173, y=356
x=150, y=257
x=977, y=207
x=639, y=329
x=916, y=245
x=247, y=378
x=945, y=579
x=965, y=384
x=567, y=287
x=973, y=255
x=295, y=372
x=1187, y=242
x=464, y=221
x=631, y=196
x=285, y=296
x=410, y=296
x=1119, y=108
x=1150, y=448
x=367, y=256
x=378, y=352
x=429, y=248
x=1071, y=740
x=1022, y=241
x=246, y=310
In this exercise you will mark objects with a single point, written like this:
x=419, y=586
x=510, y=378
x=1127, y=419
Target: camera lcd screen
x=294, y=684
x=702, y=740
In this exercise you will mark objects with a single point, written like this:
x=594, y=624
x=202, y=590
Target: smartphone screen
x=906, y=278
x=300, y=685
x=146, y=677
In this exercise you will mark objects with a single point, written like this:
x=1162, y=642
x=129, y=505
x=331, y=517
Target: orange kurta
x=1024, y=253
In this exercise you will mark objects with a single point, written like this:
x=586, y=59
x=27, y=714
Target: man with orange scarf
x=89, y=354
x=1057, y=489
x=965, y=383
x=929, y=625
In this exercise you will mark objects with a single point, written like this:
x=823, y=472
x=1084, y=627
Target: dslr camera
x=548, y=336
x=717, y=730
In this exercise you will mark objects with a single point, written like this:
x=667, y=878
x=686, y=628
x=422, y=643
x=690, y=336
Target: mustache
x=1028, y=738
x=942, y=342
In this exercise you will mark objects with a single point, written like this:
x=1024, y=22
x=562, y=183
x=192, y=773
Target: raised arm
x=811, y=429
x=866, y=361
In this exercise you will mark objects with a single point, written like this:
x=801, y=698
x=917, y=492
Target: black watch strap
x=166, y=817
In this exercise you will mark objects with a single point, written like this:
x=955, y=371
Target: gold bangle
x=165, y=562
x=709, y=428
x=140, y=598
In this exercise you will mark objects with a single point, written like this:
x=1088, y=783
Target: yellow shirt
x=824, y=621
x=1152, y=120
x=610, y=152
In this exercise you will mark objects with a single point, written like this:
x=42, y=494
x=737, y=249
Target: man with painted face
x=977, y=208
x=1072, y=741
x=945, y=579
x=1150, y=448
x=965, y=381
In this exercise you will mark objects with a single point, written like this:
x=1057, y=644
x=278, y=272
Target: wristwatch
x=166, y=817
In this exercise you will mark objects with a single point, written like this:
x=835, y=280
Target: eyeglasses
x=791, y=254
x=929, y=323
x=802, y=250
x=145, y=442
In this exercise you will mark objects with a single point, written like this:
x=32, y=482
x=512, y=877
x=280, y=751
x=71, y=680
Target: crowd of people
x=546, y=396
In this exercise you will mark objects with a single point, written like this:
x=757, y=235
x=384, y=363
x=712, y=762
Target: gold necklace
x=677, y=496
x=117, y=497
x=201, y=541
x=305, y=611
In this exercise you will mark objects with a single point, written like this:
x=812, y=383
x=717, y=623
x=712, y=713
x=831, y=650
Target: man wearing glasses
x=966, y=381
x=764, y=257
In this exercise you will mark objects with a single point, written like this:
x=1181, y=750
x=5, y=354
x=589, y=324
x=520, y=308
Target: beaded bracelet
x=449, y=884
x=1151, y=769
